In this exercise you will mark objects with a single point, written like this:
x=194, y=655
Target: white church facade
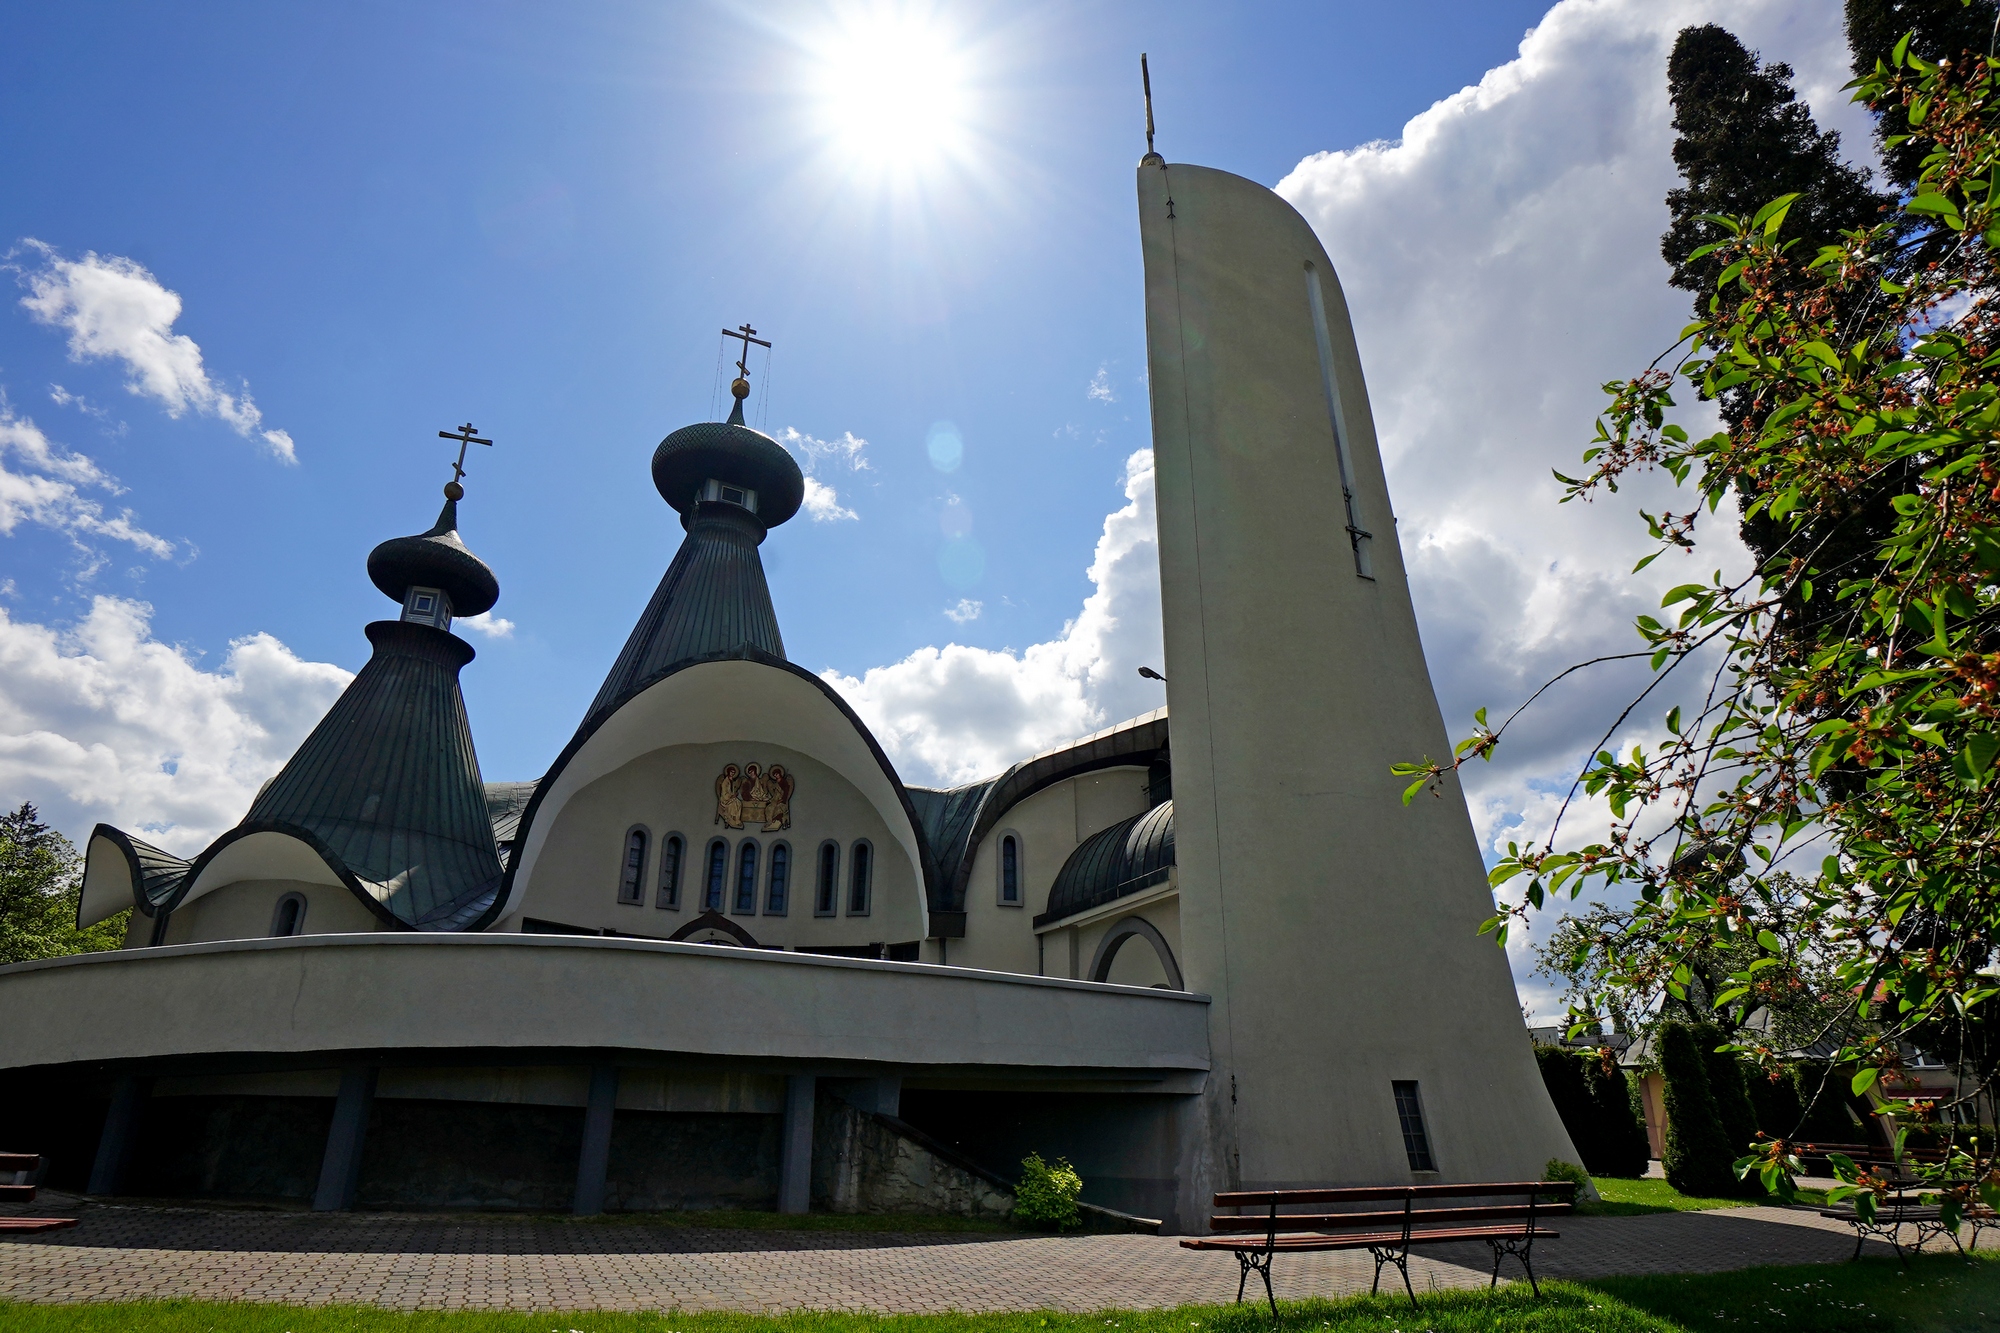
x=721, y=954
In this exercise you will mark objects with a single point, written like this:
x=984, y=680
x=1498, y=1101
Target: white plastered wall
x=243, y=910
x=747, y=708
x=1049, y=824
x=1335, y=929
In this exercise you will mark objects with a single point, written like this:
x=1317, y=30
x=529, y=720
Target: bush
x=1776, y=1101
x=1563, y=1077
x=1558, y=1169
x=1046, y=1196
x=1732, y=1098
x=1824, y=1094
x=1622, y=1146
x=1698, y=1160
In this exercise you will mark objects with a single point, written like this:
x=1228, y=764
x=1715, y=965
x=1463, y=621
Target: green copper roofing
x=435, y=559
x=1114, y=863
x=388, y=783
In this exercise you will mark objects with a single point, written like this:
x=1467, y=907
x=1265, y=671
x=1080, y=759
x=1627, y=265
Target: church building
x=720, y=954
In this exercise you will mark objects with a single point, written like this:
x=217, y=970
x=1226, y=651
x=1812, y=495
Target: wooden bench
x=1509, y=1217
x=15, y=1169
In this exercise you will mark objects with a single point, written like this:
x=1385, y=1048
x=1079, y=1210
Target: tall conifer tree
x=1939, y=30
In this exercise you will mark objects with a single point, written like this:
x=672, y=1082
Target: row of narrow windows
x=734, y=880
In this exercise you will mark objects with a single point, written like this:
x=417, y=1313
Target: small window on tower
x=732, y=494
x=1410, y=1112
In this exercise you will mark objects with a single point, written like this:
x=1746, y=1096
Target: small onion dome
x=727, y=452
x=436, y=559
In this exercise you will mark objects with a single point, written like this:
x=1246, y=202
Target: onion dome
x=695, y=462
x=437, y=559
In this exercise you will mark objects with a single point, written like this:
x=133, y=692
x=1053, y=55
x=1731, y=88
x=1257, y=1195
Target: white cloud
x=1099, y=389
x=957, y=713
x=1501, y=260
x=823, y=502
x=487, y=624
x=102, y=721
x=812, y=452
x=46, y=493
x=965, y=612
x=112, y=308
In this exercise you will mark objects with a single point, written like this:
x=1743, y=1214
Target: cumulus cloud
x=101, y=721
x=1099, y=389
x=957, y=713
x=822, y=502
x=486, y=624
x=965, y=612
x=1501, y=260
x=815, y=455
x=114, y=309
x=46, y=488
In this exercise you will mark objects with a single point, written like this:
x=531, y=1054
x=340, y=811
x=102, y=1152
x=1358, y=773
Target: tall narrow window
x=290, y=918
x=1410, y=1111
x=718, y=875
x=746, y=879
x=671, y=852
x=826, y=895
x=860, y=864
x=632, y=878
x=775, y=897
x=1010, y=871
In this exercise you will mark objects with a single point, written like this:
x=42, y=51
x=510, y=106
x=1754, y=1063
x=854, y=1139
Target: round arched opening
x=1151, y=963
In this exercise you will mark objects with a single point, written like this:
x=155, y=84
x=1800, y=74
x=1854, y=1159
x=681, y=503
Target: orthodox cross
x=465, y=436
x=748, y=335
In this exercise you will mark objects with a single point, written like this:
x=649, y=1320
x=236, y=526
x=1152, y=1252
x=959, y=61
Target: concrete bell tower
x=1362, y=1032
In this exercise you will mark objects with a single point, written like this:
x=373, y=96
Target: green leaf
x=1864, y=1081
x=1410, y=792
x=1768, y=942
x=1772, y=215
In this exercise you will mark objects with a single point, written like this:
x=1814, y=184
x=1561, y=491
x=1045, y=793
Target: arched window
x=289, y=918
x=826, y=895
x=1010, y=870
x=718, y=875
x=777, y=895
x=860, y=867
x=746, y=879
x=632, y=876
x=671, y=853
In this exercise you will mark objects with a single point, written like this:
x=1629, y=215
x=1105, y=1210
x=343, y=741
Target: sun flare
x=893, y=89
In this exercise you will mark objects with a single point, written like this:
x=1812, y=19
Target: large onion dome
x=437, y=559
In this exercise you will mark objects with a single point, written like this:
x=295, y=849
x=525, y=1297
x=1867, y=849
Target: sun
x=893, y=88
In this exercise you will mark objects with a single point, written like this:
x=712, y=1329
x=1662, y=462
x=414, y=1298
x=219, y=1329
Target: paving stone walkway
x=410, y=1262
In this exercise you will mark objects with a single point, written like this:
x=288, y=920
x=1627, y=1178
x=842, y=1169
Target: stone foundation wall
x=866, y=1163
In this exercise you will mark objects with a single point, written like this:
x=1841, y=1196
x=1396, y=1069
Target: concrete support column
x=796, y=1149
x=595, y=1159
x=340, y=1169
x=121, y=1126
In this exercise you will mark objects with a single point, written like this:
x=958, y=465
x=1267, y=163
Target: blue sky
x=391, y=219
x=377, y=221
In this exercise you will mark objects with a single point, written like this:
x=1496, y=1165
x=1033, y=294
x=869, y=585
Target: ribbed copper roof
x=713, y=600
x=388, y=782
x=1131, y=855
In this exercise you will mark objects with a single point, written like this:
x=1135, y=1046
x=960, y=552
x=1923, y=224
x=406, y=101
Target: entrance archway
x=1115, y=938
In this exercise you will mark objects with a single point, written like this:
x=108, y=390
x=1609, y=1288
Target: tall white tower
x=1362, y=1031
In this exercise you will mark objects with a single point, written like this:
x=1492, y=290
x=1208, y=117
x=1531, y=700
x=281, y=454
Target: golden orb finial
x=740, y=387
x=454, y=492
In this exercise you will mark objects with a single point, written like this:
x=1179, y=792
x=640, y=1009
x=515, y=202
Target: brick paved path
x=122, y=1252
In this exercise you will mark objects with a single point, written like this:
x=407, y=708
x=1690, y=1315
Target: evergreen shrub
x=1732, y=1098
x=1622, y=1147
x=1698, y=1160
x=1563, y=1077
x=1776, y=1101
x=1047, y=1194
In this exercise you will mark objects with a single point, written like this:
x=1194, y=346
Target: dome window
x=427, y=606
x=728, y=493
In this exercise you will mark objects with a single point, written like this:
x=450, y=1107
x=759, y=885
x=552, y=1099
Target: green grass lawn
x=1634, y=1198
x=1940, y=1294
